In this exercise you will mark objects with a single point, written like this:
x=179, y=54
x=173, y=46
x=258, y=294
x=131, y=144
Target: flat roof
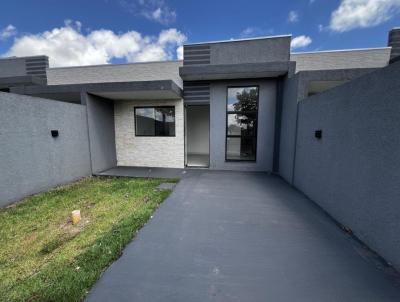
x=240, y=40
x=341, y=50
x=28, y=57
x=117, y=64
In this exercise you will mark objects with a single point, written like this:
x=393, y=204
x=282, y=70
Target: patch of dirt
x=68, y=227
x=68, y=231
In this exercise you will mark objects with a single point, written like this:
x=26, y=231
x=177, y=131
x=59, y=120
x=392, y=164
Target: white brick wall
x=167, y=152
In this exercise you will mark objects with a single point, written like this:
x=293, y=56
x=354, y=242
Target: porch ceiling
x=138, y=95
x=144, y=90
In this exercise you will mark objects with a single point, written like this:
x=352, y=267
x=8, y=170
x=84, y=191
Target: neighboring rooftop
x=146, y=71
x=24, y=66
x=342, y=59
x=118, y=64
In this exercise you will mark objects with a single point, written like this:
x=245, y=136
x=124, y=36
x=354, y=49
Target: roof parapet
x=394, y=43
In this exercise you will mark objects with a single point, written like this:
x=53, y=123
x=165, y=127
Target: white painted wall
x=166, y=152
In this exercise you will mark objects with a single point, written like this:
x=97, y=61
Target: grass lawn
x=43, y=257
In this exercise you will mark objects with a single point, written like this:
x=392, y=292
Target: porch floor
x=146, y=172
x=197, y=160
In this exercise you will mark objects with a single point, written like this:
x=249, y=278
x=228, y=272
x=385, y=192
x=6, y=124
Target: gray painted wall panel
x=21, y=66
x=31, y=160
x=266, y=126
x=353, y=171
x=394, y=42
x=273, y=49
x=251, y=51
x=288, y=127
x=100, y=113
x=12, y=68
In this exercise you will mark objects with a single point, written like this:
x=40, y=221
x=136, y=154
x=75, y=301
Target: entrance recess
x=197, y=135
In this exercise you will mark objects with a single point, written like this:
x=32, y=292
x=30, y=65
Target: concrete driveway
x=230, y=236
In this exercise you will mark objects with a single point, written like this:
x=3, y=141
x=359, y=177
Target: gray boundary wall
x=31, y=160
x=353, y=172
x=100, y=117
x=295, y=89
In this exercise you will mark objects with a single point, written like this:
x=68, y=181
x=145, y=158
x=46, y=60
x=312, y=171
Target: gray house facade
x=228, y=105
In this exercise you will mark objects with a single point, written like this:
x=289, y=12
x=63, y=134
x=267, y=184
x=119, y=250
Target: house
x=227, y=105
x=327, y=122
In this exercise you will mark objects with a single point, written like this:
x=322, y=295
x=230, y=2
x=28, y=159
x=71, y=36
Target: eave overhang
x=143, y=90
x=236, y=71
x=8, y=82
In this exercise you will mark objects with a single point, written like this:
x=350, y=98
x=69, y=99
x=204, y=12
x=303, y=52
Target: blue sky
x=107, y=31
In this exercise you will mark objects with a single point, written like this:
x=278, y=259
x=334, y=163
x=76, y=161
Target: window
x=241, y=123
x=155, y=121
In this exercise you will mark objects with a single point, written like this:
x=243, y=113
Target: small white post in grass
x=76, y=216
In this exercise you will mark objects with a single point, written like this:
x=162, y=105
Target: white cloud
x=154, y=10
x=68, y=46
x=179, y=53
x=8, y=32
x=171, y=35
x=248, y=32
x=293, y=16
x=300, y=42
x=72, y=23
x=353, y=14
x=253, y=31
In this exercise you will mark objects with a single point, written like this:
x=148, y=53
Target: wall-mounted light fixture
x=54, y=133
x=318, y=134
